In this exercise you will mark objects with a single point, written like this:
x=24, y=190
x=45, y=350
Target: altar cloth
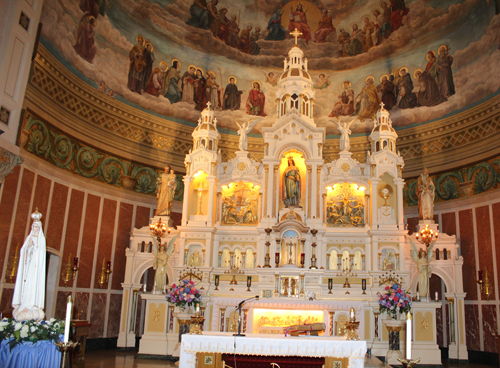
x=42, y=354
x=261, y=344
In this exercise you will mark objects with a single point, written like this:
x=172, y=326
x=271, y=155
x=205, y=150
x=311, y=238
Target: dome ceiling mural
x=425, y=59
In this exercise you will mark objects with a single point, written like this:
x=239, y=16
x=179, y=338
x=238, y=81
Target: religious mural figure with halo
x=29, y=292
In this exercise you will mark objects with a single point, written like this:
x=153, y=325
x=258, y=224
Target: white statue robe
x=29, y=292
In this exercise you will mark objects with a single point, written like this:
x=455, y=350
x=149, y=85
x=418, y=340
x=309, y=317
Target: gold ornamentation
x=345, y=167
x=242, y=166
x=424, y=325
x=156, y=316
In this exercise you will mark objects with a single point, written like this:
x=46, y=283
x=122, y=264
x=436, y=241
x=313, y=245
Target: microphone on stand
x=238, y=308
x=246, y=300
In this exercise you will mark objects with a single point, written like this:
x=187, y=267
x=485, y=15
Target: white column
x=211, y=199
x=16, y=48
x=185, y=202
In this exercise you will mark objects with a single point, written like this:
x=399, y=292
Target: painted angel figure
x=423, y=260
x=345, y=132
x=160, y=263
x=245, y=128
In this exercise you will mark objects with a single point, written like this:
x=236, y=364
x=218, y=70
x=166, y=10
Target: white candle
x=352, y=314
x=408, y=336
x=436, y=296
x=69, y=307
x=418, y=297
x=144, y=288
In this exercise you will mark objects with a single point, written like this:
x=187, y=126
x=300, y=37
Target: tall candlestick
x=408, y=336
x=69, y=307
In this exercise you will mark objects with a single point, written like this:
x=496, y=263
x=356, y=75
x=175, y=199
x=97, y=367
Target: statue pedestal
x=425, y=344
x=154, y=340
x=164, y=219
x=422, y=223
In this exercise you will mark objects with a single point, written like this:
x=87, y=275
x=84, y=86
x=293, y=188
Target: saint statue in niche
x=29, y=292
x=160, y=267
x=425, y=193
x=166, y=185
x=291, y=184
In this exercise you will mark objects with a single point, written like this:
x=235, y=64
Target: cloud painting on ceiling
x=423, y=58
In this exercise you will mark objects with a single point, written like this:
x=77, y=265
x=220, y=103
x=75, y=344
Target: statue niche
x=240, y=204
x=292, y=181
x=345, y=206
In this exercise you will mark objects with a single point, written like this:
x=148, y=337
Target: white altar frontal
x=311, y=237
x=210, y=344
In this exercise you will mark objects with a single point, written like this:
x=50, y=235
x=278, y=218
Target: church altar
x=264, y=345
x=312, y=236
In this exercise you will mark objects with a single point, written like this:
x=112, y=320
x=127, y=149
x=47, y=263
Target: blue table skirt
x=43, y=354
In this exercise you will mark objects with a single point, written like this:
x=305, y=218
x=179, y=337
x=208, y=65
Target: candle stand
x=65, y=348
x=409, y=363
x=351, y=330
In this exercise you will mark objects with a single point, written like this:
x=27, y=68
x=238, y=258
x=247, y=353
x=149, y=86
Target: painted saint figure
x=276, y=30
x=425, y=193
x=444, y=73
x=345, y=105
x=298, y=20
x=256, y=100
x=156, y=80
x=325, y=27
x=137, y=65
x=188, y=85
x=170, y=88
x=166, y=185
x=291, y=184
x=428, y=91
x=368, y=100
x=232, y=97
x=29, y=292
x=85, y=43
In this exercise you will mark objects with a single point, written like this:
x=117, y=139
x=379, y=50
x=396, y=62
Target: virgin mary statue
x=29, y=292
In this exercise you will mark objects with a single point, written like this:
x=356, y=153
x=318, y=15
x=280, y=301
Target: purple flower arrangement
x=183, y=294
x=394, y=300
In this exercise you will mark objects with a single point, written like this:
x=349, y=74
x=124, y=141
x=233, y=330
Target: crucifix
x=296, y=34
x=290, y=260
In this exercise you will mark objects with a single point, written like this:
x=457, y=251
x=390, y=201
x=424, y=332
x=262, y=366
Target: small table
x=79, y=331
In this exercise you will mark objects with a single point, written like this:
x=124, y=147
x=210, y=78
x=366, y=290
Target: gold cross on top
x=296, y=34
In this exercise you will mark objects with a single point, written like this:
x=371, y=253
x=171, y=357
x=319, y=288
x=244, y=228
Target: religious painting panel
x=273, y=321
x=240, y=204
x=231, y=55
x=388, y=259
x=345, y=205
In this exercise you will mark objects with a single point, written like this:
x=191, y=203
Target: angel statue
x=245, y=128
x=345, y=132
x=423, y=260
x=160, y=263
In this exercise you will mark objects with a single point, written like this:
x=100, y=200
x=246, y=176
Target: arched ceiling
x=469, y=29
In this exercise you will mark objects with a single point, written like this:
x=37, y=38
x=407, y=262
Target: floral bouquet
x=394, y=300
x=31, y=330
x=184, y=293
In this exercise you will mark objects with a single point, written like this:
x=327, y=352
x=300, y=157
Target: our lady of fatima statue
x=29, y=292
